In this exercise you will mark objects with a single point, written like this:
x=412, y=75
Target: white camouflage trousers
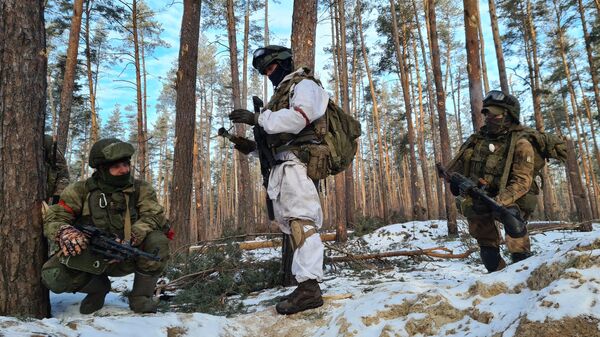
x=295, y=196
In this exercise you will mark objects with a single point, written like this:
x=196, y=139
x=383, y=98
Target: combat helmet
x=263, y=57
x=506, y=101
x=109, y=150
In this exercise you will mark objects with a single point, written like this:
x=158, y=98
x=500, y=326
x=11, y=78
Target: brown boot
x=141, y=296
x=96, y=290
x=306, y=296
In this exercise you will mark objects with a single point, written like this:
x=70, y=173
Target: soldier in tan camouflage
x=500, y=159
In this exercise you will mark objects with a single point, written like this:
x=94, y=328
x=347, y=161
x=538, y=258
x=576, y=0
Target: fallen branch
x=252, y=245
x=427, y=252
x=537, y=227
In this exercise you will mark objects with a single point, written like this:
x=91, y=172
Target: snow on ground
x=553, y=293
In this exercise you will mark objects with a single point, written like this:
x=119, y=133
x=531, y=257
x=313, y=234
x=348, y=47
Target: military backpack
x=328, y=145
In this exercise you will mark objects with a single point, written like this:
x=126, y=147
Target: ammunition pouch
x=87, y=261
x=316, y=157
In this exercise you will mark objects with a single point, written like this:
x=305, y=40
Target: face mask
x=496, y=126
x=110, y=183
x=278, y=74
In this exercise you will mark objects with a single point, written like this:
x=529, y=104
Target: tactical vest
x=490, y=159
x=281, y=100
x=107, y=210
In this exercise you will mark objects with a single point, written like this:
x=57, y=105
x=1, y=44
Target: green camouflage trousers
x=59, y=278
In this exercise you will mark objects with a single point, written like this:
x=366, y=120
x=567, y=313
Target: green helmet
x=263, y=57
x=109, y=150
x=506, y=101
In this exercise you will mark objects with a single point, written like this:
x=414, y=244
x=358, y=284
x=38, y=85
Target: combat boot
x=141, y=296
x=306, y=296
x=96, y=290
x=490, y=256
x=516, y=257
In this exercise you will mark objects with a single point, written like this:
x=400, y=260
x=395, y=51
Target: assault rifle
x=104, y=244
x=514, y=224
x=265, y=155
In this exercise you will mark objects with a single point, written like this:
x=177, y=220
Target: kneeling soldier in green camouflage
x=114, y=202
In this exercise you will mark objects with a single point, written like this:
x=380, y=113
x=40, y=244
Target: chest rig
x=108, y=211
x=312, y=133
x=486, y=160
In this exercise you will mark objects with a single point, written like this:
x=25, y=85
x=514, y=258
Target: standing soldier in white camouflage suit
x=288, y=119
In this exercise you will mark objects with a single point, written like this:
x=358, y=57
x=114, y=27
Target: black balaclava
x=283, y=69
x=109, y=183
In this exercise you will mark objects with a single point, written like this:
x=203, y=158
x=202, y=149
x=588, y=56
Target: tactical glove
x=71, y=240
x=245, y=146
x=243, y=116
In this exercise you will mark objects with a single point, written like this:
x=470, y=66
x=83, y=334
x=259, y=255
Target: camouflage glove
x=70, y=240
x=243, y=116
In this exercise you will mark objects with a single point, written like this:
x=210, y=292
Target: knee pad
x=298, y=233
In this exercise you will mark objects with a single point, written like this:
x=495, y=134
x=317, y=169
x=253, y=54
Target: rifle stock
x=267, y=161
x=510, y=217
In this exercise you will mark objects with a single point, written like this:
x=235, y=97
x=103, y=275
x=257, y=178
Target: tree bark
x=486, y=83
x=244, y=218
x=185, y=123
x=23, y=63
x=473, y=65
x=346, y=179
x=593, y=72
x=498, y=47
x=66, y=95
x=141, y=136
x=88, y=63
x=304, y=29
x=441, y=106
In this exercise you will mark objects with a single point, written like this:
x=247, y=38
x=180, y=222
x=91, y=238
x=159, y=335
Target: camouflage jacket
x=84, y=202
x=56, y=168
x=484, y=159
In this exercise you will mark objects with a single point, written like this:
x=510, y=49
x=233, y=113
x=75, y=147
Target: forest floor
x=556, y=292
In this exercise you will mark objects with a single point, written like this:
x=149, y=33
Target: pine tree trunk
x=244, y=219
x=530, y=40
x=23, y=65
x=185, y=123
x=88, y=64
x=402, y=56
x=431, y=108
x=486, y=83
x=348, y=197
x=431, y=209
x=441, y=105
x=304, y=29
x=498, y=47
x=473, y=66
x=141, y=137
x=593, y=70
x=66, y=96
x=381, y=186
